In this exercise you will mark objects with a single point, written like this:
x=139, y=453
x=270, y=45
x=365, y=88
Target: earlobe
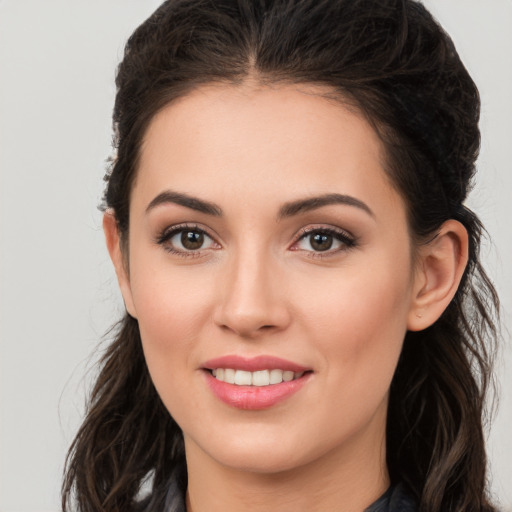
x=440, y=268
x=112, y=238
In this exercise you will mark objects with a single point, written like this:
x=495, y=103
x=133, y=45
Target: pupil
x=321, y=242
x=192, y=240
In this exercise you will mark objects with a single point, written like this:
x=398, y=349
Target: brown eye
x=321, y=241
x=192, y=240
x=326, y=240
x=186, y=241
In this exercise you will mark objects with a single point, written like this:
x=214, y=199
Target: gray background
x=58, y=292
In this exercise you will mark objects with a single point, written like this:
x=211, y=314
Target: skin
x=258, y=287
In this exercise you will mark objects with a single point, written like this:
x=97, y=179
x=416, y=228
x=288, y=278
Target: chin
x=260, y=462
x=263, y=454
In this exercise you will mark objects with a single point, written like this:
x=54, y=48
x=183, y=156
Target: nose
x=253, y=297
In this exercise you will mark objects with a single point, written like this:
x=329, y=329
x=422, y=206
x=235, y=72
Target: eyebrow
x=287, y=210
x=312, y=203
x=185, y=200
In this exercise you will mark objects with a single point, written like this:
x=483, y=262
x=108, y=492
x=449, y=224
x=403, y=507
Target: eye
x=324, y=240
x=186, y=240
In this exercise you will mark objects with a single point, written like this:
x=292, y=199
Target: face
x=266, y=243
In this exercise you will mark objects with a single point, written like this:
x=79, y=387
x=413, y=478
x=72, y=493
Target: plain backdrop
x=58, y=291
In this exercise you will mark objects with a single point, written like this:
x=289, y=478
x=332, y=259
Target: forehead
x=255, y=141
x=306, y=112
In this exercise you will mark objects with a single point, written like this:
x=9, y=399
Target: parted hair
x=391, y=61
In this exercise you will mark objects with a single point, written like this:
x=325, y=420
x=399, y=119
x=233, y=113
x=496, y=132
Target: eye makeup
x=323, y=241
x=192, y=240
x=186, y=240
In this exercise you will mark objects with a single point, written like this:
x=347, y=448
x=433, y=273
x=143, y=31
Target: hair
x=393, y=61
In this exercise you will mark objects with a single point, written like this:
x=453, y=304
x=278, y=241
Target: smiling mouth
x=254, y=383
x=258, y=378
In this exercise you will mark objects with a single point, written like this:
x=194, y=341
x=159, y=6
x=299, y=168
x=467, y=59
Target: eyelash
x=167, y=234
x=347, y=240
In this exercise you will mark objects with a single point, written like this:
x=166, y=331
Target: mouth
x=255, y=383
x=258, y=378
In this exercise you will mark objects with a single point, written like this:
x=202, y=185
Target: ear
x=111, y=230
x=440, y=267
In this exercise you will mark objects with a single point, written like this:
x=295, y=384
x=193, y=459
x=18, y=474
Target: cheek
x=172, y=309
x=171, y=313
x=359, y=322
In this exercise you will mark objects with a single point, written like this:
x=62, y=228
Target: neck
x=339, y=480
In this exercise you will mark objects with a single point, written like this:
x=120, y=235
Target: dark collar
x=396, y=498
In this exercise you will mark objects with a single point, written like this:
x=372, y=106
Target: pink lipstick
x=254, y=383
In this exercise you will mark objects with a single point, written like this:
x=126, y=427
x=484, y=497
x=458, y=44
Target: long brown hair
x=391, y=60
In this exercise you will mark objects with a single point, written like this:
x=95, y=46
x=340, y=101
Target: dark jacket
x=396, y=499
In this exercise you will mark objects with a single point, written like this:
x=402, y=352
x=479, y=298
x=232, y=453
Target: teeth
x=259, y=378
x=243, y=378
x=229, y=376
x=287, y=376
x=276, y=376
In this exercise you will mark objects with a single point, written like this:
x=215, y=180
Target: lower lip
x=254, y=397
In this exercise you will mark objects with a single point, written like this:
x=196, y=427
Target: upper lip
x=253, y=364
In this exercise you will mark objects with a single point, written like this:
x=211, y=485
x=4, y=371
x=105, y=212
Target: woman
x=308, y=325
